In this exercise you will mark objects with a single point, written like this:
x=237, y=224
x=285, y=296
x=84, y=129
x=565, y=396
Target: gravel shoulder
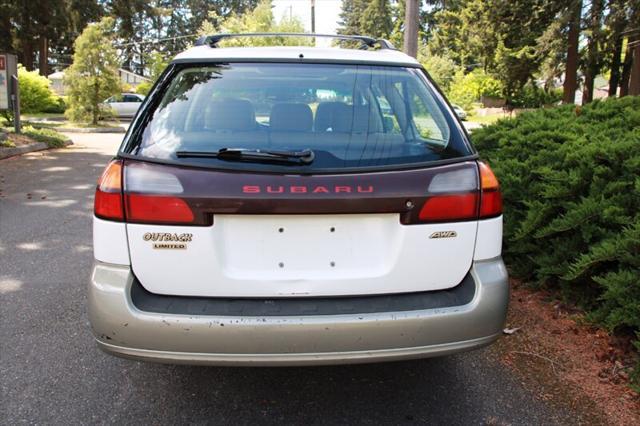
x=566, y=361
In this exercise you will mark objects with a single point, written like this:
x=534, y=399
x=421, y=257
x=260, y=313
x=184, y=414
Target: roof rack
x=366, y=42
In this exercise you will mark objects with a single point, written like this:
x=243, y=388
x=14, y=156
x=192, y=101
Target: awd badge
x=444, y=234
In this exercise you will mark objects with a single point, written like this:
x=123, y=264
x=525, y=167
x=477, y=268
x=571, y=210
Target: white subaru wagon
x=296, y=206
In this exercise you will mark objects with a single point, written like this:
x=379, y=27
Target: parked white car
x=295, y=206
x=125, y=104
x=461, y=113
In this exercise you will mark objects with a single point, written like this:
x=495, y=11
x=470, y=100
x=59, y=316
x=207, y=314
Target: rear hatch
x=285, y=180
x=228, y=234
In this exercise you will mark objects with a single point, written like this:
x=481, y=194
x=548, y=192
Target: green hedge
x=35, y=93
x=570, y=178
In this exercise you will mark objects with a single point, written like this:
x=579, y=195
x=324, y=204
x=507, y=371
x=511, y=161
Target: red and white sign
x=4, y=83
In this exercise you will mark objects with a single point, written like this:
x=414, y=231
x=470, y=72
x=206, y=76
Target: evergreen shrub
x=570, y=178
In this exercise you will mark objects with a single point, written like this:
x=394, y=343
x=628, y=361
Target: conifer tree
x=350, y=16
x=375, y=20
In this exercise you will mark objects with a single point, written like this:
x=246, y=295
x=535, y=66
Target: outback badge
x=165, y=240
x=444, y=234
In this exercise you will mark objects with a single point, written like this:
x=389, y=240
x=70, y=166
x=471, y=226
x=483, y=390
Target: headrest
x=230, y=114
x=334, y=117
x=291, y=117
x=340, y=117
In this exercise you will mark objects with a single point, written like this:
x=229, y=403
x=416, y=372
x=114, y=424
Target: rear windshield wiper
x=305, y=156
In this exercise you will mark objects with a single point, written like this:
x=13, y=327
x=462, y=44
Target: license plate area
x=277, y=247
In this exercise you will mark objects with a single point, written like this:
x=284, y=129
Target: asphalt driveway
x=51, y=372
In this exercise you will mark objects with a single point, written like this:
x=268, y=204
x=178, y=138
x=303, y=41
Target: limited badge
x=444, y=234
x=167, y=240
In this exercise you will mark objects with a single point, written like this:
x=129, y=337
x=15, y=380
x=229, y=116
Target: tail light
x=450, y=208
x=458, y=196
x=490, y=198
x=139, y=195
x=108, y=203
x=144, y=208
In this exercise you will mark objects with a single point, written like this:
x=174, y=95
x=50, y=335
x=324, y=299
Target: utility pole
x=412, y=10
x=313, y=16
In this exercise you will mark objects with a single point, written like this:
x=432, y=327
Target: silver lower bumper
x=122, y=329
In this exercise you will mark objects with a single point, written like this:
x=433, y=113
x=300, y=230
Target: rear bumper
x=120, y=328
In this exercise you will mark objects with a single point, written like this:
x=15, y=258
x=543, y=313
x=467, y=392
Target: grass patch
x=41, y=115
x=486, y=119
x=46, y=125
x=89, y=125
x=70, y=125
x=52, y=138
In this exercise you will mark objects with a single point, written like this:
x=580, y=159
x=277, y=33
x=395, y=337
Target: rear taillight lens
x=453, y=196
x=139, y=195
x=153, y=196
x=458, y=196
x=449, y=208
x=490, y=198
x=157, y=209
x=108, y=200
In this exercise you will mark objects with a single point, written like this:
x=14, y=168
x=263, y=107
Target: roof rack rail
x=366, y=42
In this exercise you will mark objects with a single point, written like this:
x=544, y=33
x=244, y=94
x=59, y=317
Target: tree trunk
x=634, y=77
x=587, y=91
x=27, y=54
x=571, y=71
x=412, y=10
x=626, y=69
x=44, y=56
x=614, y=79
x=592, y=67
x=617, y=25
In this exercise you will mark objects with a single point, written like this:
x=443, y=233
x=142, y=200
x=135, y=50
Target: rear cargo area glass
x=350, y=116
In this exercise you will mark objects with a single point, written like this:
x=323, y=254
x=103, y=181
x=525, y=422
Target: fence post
x=15, y=100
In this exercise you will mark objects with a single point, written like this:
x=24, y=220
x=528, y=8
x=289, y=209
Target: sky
x=327, y=13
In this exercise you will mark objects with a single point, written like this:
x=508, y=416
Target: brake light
x=140, y=195
x=108, y=199
x=157, y=209
x=490, y=198
x=153, y=196
x=457, y=196
x=447, y=208
x=453, y=196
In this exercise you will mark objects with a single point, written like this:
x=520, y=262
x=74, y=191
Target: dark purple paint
x=209, y=191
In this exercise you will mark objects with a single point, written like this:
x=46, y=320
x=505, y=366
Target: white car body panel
x=110, y=242
x=299, y=54
x=248, y=256
x=489, y=239
x=125, y=109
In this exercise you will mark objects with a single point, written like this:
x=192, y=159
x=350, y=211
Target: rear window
x=350, y=116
